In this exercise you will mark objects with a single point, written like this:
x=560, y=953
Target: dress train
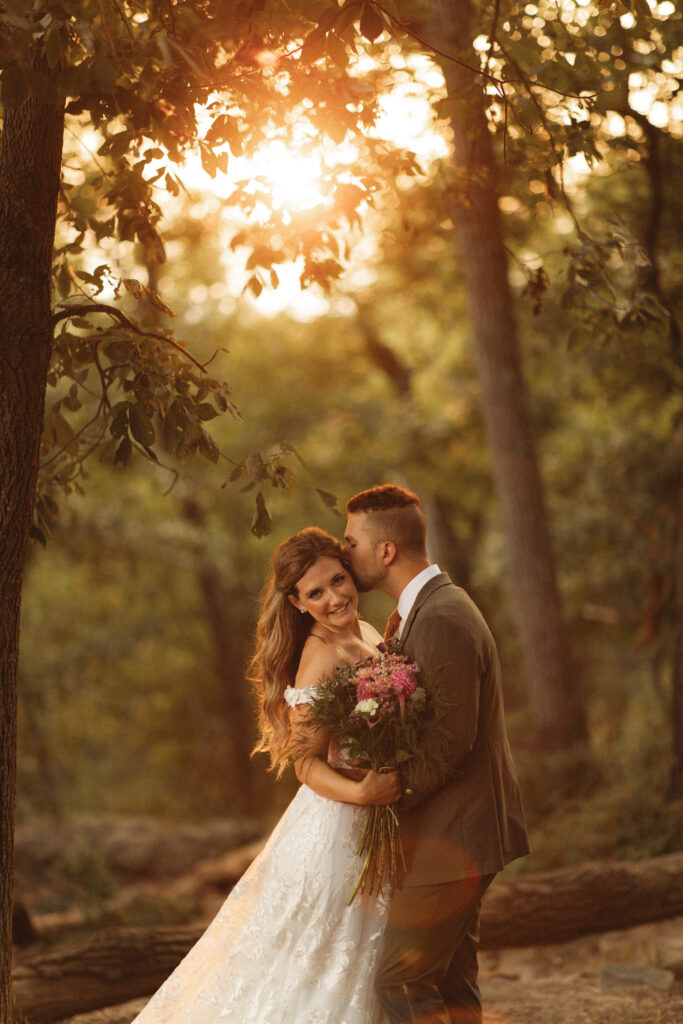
x=285, y=948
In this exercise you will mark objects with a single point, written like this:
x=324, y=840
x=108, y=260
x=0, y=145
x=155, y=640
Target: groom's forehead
x=358, y=523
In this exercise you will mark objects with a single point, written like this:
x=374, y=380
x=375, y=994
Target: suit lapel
x=430, y=587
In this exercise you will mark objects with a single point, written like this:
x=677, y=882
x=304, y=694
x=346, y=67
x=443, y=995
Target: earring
x=302, y=610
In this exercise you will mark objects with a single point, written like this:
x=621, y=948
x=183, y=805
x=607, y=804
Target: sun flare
x=294, y=178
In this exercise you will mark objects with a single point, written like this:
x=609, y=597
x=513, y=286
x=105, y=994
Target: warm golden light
x=294, y=173
x=267, y=59
x=293, y=178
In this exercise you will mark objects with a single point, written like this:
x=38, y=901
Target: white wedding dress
x=285, y=948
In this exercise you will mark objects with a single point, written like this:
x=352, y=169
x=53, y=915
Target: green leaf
x=254, y=286
x=222, y=130
x=204, y=411
x=208, y=448
x=261, y=524
x=115, y=145
x=141, y=426
x=371, y=23
x=345, y=17
x=119, y=424
x=255, y=467
x=314, y=47
x=330, y=500
x=72, y=401
x=209, y=160
x=328, y=19
x=124, y=452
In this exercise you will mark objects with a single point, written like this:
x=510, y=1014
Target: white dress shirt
x=408, y=595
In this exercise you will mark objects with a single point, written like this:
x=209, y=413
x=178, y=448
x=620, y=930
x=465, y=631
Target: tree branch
x=85, y=309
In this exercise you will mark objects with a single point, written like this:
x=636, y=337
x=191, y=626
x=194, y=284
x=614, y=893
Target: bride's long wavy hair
x=281, y=633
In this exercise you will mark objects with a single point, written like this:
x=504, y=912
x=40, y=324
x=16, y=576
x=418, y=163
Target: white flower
x=418, y=695
x=366, y=707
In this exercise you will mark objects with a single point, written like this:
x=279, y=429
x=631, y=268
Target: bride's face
x=328, y=593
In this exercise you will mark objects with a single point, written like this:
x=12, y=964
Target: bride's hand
x=379, y=788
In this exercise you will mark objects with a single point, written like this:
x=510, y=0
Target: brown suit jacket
x=474, y=824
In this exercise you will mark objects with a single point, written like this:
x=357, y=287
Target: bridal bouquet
x=383, y=712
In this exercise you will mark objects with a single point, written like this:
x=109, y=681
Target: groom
x=456, y=837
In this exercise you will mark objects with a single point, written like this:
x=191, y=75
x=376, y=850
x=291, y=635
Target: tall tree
x=557, y=705
x=28, y=206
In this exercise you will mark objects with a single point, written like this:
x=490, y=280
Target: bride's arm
x=310, y=746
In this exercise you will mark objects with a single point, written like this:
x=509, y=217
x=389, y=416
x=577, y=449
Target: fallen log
x=117, y=965
x=553, y=906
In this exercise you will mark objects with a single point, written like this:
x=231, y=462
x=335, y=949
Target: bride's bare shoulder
x=318, y=660
x=369, y=633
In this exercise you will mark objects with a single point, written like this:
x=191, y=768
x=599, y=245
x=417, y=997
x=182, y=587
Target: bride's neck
x=332, y=636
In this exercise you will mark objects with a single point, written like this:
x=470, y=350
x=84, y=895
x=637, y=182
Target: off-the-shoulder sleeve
x=299, y=695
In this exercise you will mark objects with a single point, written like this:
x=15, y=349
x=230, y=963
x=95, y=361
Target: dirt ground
x=558, y=984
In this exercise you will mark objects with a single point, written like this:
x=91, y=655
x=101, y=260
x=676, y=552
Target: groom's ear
x=388, y=552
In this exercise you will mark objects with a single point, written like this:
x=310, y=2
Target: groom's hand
x=380, y=788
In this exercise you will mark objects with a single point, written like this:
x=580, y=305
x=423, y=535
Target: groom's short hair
x=394, y=514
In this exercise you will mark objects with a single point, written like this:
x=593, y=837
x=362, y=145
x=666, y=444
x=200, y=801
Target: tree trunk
x=229, y=661
x=551, y=678
x=445, y=546
x=676, y=781
x=551, y=907
x=30, y=161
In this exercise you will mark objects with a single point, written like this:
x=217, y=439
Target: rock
x=671, y=956
x=624, y=975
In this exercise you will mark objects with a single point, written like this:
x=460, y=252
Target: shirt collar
x=409, y=593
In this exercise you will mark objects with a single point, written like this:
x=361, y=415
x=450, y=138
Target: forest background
x=339, y=295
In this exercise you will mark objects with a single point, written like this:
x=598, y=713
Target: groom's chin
x=363, y=588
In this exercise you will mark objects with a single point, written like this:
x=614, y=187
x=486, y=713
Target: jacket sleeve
x=446, y=648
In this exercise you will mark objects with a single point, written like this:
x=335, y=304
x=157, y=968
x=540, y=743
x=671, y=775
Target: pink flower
x=403, y=682
x=364, y=690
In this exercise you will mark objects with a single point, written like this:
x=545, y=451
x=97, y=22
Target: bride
x=285, y=948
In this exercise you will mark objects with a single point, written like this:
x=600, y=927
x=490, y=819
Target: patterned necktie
x=393, y=622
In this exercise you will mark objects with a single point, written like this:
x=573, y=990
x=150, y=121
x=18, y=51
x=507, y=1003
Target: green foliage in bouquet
x=384, y=712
